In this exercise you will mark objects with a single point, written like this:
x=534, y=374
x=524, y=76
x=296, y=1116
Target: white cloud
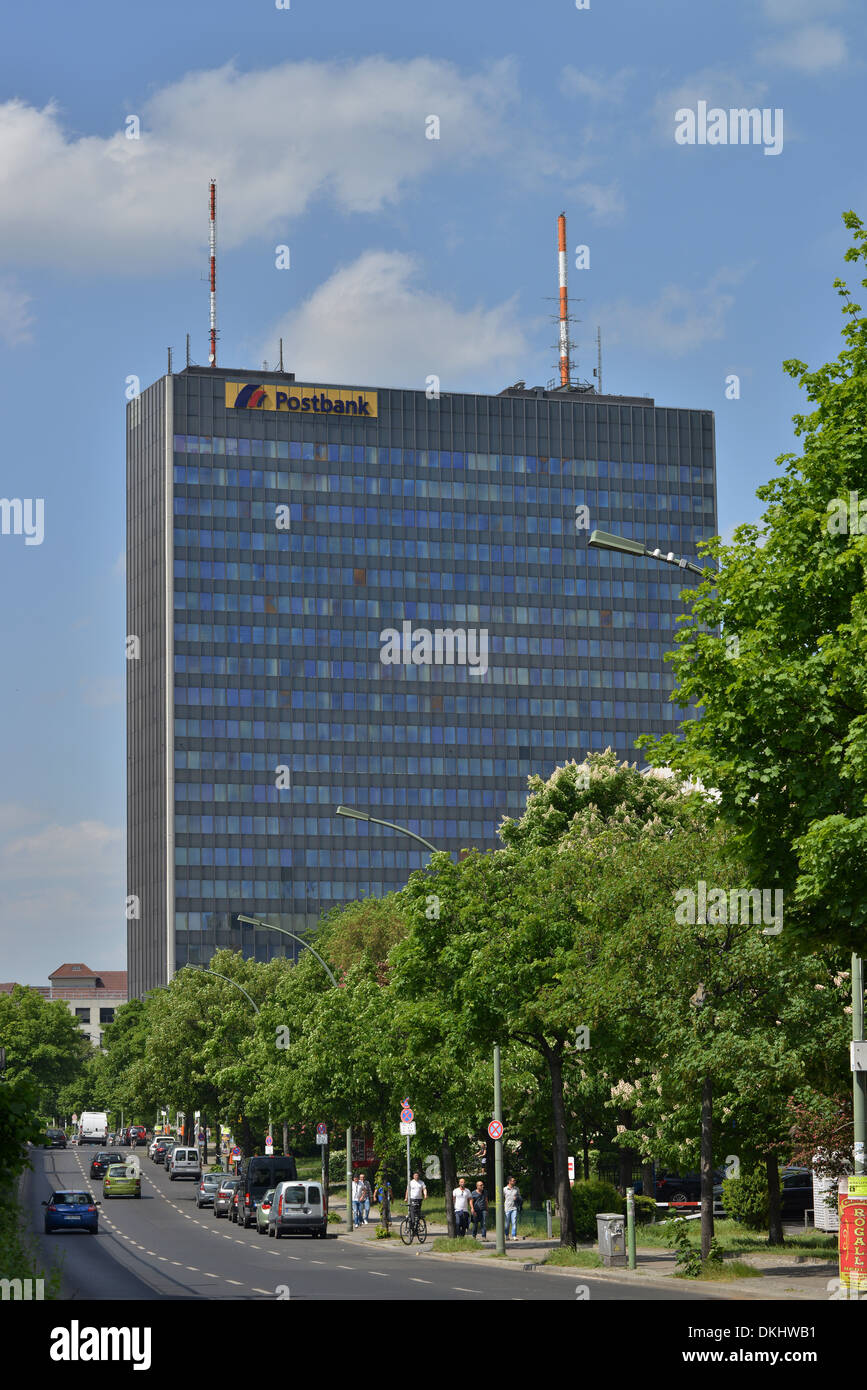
x=611, y=87
x=372, y=321
x=814, y=48
x=275, y=140
x=16, y=321
x=85, y=849
x=604, y=201
x=678, y=321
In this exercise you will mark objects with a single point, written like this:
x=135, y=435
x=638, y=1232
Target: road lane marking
x=413, y=1280
x=194, y=1268
x=378, y=1272
x=234, y=1281
x=457, y=1288
x=266, y=1292
x=211, y=1276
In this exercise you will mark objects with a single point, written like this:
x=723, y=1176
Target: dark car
x=682, y=1187
x=103, y=1158
x=257, y=1174
x=161, y=1149
x=223, y=1196
x=55, y=1139
x=71, y=1211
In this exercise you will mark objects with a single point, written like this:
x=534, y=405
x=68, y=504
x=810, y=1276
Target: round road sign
x=322, y=1127
x=407, y=1114
x=495, y=1129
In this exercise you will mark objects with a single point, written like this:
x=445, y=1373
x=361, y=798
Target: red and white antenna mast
x=565, y=356
x=212, y=359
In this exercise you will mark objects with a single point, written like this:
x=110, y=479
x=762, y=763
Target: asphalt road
x=161, y=1247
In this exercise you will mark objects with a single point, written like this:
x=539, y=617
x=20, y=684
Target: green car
x=121, y=1180
x=263, y=1211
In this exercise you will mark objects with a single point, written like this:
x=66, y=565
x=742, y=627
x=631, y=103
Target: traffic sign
x=407, y=1114
x=322, y=1127
x=321, y=1138
x=495, y=1129
x=269, y=1139
x=571, y=1164
x=407, y=1126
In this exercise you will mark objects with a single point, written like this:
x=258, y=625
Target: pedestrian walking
x=461, y=1202
x=357, y=1201
x=366, y=1195
x=512, y=1203
x=479, y=1210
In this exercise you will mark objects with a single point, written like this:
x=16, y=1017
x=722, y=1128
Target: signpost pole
x=498, y=1158
x=349, y=1221
x=630, y=1225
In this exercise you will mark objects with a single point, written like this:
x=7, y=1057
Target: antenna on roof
x=188, y=350
x=565, y=350
x=212, y=357
x=281, y=354
x=598, y=369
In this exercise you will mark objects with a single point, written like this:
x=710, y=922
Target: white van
x=93, y=1127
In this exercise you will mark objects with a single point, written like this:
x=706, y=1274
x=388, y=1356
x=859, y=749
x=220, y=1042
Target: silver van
x=184, y=1163
x=298, y=1206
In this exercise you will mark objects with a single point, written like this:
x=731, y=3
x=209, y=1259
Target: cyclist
x=414, y=1196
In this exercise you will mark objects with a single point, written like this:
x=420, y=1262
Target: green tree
x=783, y=728
x=43, y=1042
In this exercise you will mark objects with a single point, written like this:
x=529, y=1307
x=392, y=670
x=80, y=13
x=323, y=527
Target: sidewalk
x=795, y=1278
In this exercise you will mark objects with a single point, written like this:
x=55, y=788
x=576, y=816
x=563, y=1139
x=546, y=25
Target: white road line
x=412, y=1280
x=235, y=1281
x=177, y=1262
x=457, y=1288
x=266, y=1292
x=347, y=1266
x=211, y=1276
x=194, y=1268
x=378, y=1272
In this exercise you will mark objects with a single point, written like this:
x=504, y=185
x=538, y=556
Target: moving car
x=93, y=1127
x=122, y=1180
x=103, y=1158
x=223, y=1196
x=184, y=1163
x=71, y=1211
x=263, y=1210
x=258, y=1173
x=296, y=1208
x=160, y=1149
x=206, y=1191
x=55, y=1139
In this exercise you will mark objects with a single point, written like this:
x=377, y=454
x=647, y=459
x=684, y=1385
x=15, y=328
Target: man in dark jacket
x=479, y=1210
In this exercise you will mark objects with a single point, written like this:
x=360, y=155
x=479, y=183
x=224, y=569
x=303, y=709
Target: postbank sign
x=301, y=400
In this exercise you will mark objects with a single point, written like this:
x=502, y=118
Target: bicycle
x=413, y=1225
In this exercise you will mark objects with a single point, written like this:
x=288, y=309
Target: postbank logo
x=314, y=400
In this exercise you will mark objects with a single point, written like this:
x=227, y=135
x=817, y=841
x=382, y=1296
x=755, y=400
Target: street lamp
x=604, y=540
x=352, y=814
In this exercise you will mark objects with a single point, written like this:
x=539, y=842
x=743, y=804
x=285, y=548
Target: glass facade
x=398, y=614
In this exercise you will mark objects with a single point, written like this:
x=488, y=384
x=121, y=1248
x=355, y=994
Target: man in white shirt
x=511, y=1207
x=461, y=1201
x=415, y=1194
x=357, y=1201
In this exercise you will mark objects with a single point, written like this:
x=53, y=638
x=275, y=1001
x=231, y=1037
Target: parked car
x=122, y=1180
x=296, y=1208
x=206, y=1191
x=258, y=1173
x=263, y=1210
x=103, y=1158
x=685, y=1187
x=55, y=1139
x=223, y=1196
x=70, y=1211
x=184, y=1163
x=160, y=1149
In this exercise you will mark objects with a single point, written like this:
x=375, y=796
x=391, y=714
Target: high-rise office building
x=372, y=597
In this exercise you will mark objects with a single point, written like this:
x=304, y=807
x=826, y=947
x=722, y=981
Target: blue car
x=71, y=1211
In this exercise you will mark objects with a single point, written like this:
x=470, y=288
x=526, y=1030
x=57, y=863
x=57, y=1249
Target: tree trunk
x=648, y=1186
x=775, y=1212
x=450, y=1182
x=285, y=1136
x=248, y=1137
x=585, y=1151
x=706, y=1166
x=562, y=1190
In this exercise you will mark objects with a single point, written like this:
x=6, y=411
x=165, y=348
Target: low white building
x=90, y=995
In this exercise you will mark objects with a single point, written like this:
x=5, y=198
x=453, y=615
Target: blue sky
x=409, y=256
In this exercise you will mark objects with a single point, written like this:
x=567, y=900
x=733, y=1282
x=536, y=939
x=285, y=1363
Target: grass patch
x=581, y=1259
x=464, y=1245
x=736, y=1239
